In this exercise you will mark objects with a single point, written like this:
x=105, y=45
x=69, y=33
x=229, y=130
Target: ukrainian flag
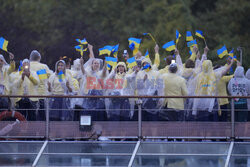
x=135, y=41
x=169, y=46
x=83, y=42
x=42, y=74
x=147, y=54
x=146, y=67
x=231, y=54
x=199, y=33
x=20, y=68
x=222, y=52
x=178, y=35
x=61, y=76
x=3, y=44
x=115, y=50
x=109, y=66
x=131, y=62
x=189, y=36
x=106, y=50
x=192, y=43
x=111, y=60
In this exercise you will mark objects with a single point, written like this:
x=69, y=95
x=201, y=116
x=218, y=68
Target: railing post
x=232, y=120
x=139, y=103
x=47, y=118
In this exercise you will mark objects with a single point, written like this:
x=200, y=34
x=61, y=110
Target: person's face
x=95, y=65
x=138, y=54
x=121, y=69
x=60, y=66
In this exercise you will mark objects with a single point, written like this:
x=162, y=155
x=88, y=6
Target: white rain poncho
x=248, y=77
x=206, y=86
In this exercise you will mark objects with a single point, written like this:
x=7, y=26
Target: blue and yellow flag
x=146, y=54
x=108, y=66
x=61, y=76
x=190, y=52
x=199, y=33
x=42, y=74
x=83, y=42
x=178, y=35
x=189, y=36
x=169, y=46
x=136, y=42
x=192, y=43
x=20, y=68
x=111, y=60
x=3, y=44
x=146, y=67
x=222, y=52
x=231, y=55
x=115, y=50
x=131, y=62
x=80, y=49
x=106, y=50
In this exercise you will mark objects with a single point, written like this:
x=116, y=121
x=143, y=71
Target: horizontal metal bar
x=186, y=142
x=94, y=142
x=176, y=154
x=241, y=155
x=88, y=96
x=18, y=154
x=91, y=154
x=22, y=137
x=186, y=137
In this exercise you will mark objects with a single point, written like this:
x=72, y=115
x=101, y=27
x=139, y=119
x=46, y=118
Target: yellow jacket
x=222, y=89
x=174, y=85
x=59, y=88
x=4, y=75
x=42, y=86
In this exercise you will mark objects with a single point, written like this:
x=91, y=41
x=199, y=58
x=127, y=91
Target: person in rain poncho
x=174, y=85
x=118, y=107
x=239, y=86
x=5, y=71
x=60, y=83
x=43, y=72
x=206, y=85
x=94, y=86
x=248, y=100
x=25, y=82
x=149, y=83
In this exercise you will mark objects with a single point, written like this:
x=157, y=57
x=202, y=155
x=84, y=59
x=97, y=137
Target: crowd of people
x=196, y=77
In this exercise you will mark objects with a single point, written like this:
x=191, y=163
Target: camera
x=125, y=52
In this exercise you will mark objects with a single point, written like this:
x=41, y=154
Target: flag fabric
x=108, y=66
x=190, y=52
x=115, y=50
x=42, y=74
x=169, y=46
x=231, y=55
x=136, y=42
x=178, y=35
x=131, y=62
x=61, y=76
x=20, y=68
x=3, y=44
x=111, y=60
x=106, y=50
x=146, y=54
x=83, y=42
x=189, y=36
x=80, y=49
x=222, y=52
x=146, y=67
x=199, y=33
x=132, y=46
x=192, y=43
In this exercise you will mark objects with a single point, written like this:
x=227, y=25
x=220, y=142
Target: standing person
x=248, y=100
x=60, y=83
x=43, y=72
x=5, y=71
x=174, y=85
x=206, y=85
x=239, y=86
x=25, y=83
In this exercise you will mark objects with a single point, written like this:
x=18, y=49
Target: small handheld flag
x=222, y=52
x=3, y=44
x=131, y=62
x=231, y=55
x=136, y=42
x=189, y=36
x=80, y=49
x=192, y=43
x=146, y=67
x=61, y=76
x=178, y=35
x=20, y=68
x=83, y=42
x=169, y=46
x=109, y=66
x=111, y=60
x=199, y=33
x=115, y=50
x=146, y=54
x=106, y=50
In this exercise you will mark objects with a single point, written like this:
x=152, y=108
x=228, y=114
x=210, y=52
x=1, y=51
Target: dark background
x=51, y=26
